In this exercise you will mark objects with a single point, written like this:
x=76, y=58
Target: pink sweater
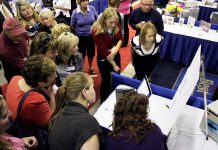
x=16, y=143
x=124, y=7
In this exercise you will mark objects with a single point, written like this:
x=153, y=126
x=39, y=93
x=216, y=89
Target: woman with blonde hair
x=29, y=17
x=58, y=29
x=108, y=38
x=69, y=59
x=145, y=48
x=115, y=4
x=48, y=20
x=72, y=127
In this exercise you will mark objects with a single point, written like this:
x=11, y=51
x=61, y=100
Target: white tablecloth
x=185, y=134
x=196, y=32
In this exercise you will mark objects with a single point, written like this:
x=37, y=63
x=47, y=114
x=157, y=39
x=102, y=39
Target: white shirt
x=80, y=11
x=141, y=51
x=62, y=3
x=6, y=9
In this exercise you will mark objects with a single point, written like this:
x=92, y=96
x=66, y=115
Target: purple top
x=154, y=140
x=83, y=22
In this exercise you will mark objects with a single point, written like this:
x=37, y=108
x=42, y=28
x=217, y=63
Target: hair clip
x=46, y=40
x=67, y=33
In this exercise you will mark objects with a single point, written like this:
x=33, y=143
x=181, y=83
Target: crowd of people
x=42, y=62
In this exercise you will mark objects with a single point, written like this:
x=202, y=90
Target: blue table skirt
x=181, y=49
x=205, y=12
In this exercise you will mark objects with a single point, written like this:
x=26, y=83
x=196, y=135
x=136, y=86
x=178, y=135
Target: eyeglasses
x=51, y=80
x=45, y=40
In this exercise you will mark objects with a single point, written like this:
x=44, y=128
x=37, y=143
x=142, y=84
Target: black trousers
x=61, y=16
x=144, y=64
x=87, y=46
x=126, y=30
x=105, y=69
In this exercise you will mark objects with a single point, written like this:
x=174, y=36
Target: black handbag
x=18, y=130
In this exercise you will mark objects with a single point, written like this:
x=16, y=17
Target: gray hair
x=45, y=12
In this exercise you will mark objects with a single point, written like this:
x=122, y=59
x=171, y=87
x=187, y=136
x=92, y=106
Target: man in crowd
x=146, y=13
x=13, y=49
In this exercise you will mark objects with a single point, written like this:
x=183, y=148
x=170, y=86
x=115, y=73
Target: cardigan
x=106, y=42
x=82, y=22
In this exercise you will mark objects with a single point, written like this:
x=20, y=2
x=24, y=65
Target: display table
x=197, y=9
x=205, y=12
x=181, y=43
x=185, y=134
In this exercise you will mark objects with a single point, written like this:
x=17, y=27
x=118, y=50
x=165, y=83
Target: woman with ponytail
x=72, y=127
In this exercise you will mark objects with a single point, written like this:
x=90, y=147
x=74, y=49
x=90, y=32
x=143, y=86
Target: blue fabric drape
x=181, y=49
x=205, y=12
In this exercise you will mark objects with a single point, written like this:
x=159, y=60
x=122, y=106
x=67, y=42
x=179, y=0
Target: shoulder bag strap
x=22, y=101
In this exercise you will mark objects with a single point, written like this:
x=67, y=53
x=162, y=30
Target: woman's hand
x=116, y=68
x=139, y=25
x=112, y=54
x=110, y=57
x=30, y=142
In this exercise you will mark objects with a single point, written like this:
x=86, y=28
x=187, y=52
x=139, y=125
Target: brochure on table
x=168, y=19
x=191, y=22
x=205, y=26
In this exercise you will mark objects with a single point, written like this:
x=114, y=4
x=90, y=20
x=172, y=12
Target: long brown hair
x=24, y=20
x=131, y=116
